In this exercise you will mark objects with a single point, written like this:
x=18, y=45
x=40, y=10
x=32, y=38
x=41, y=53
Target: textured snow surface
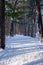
x=22, y=50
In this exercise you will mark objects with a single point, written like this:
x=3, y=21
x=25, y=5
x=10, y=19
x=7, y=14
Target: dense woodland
x=22, y=17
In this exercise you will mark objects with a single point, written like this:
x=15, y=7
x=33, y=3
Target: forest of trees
x=22, y=14
x=20, y=17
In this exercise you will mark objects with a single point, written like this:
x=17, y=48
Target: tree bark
x=2, y=23
x=11, y=31
x=39, y=18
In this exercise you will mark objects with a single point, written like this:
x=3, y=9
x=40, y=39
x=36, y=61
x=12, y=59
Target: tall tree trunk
x=11, y=31
x=12, y=25
x=39, y=18
x=2, y=23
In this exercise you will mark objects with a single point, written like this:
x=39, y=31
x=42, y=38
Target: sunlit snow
x=22, y=50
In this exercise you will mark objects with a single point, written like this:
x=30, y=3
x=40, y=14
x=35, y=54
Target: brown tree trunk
x=2, y=23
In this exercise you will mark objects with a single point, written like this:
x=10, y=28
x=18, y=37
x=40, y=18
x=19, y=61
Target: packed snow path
x=22, y=50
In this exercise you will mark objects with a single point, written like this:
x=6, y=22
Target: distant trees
x=13, y=13
x=20, y=11
x=2, y=24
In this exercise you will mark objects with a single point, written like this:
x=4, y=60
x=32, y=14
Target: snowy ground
x=22, y=50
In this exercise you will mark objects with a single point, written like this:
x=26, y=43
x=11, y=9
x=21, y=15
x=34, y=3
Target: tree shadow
x=37, y=62
x=14, y=51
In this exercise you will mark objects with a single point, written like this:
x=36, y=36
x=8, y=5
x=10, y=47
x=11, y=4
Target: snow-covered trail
x=22, y=50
